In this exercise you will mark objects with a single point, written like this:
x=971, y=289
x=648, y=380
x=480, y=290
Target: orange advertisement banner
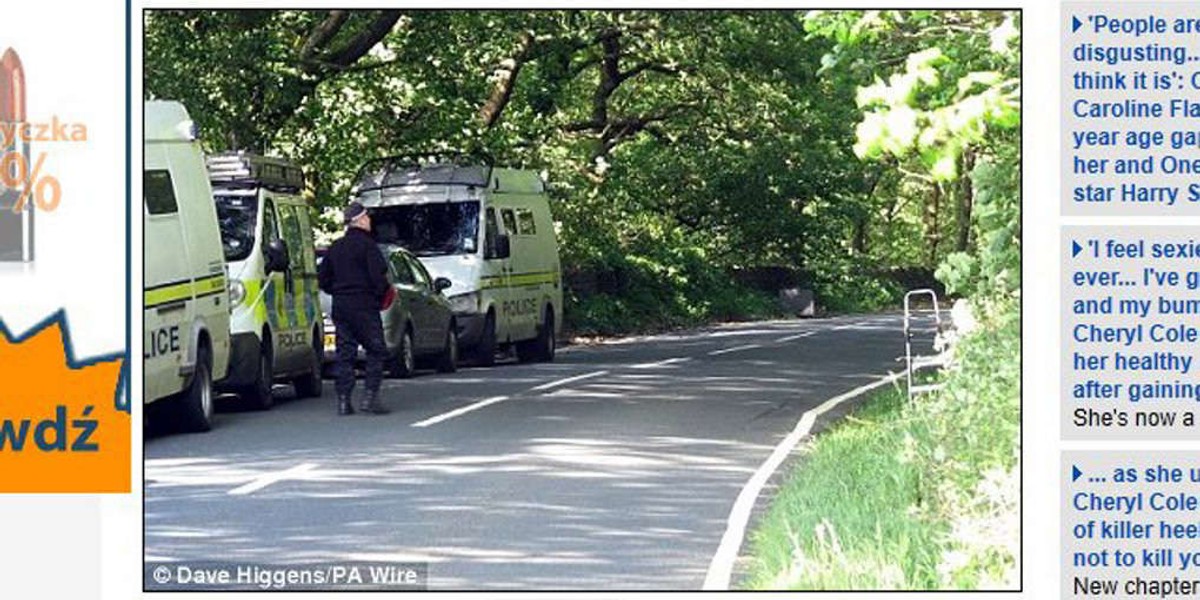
x=61, y=429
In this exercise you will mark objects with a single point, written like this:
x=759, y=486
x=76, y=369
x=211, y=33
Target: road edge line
x=720, y=569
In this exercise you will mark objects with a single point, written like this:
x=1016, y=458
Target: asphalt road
x=614, y=467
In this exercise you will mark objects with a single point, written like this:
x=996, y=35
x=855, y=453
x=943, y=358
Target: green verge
x=898, y=496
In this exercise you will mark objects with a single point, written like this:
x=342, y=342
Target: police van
x=486, y=229
x=268, y=244
x=186, y=301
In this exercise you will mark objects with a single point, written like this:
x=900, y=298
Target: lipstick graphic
x=16, y=229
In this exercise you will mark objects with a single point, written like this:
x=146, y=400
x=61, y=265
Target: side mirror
x=277, y=256
x=503, y=246
x=441, y=284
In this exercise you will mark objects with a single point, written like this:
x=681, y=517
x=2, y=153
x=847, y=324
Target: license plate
x=330, y=341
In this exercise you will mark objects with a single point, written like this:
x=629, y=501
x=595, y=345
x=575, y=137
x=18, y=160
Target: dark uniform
x=354, y=273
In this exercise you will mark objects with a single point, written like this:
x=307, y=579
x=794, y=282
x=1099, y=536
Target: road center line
x=264, y=480
x=734, y=349
x=459, y=411
x=661, y=363
x=561, y=382
x=720, y=570
x=792, y=338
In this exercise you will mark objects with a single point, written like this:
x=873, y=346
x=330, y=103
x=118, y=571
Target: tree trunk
x=932, y=235
x=966, y=200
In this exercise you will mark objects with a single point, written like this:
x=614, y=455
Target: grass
x=898, y=496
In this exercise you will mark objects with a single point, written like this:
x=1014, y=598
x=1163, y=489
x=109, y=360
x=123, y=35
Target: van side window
x=525, y=222
x=310, y=257
x=270, y=230
x=159, y=192
x=293, y=236
x=510, y=222
x=491, y=230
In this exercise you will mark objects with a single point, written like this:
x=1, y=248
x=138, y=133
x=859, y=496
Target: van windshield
x=437, y=229
x=237, y=216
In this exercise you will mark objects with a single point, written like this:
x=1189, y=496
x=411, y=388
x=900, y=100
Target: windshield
x=429, y=229
x=237, y=216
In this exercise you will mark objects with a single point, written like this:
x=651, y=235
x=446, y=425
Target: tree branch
x=366, y=39
x=322, y=34
x=491, y=110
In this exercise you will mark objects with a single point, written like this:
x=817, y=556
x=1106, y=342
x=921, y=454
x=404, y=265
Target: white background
x=80, y=45
x=73, y=54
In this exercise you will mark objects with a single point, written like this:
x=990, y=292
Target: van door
x=529, y=274
x=510, y=315
x=493, y=282
x=167, y=280
x=276, y=293
x=293, y=335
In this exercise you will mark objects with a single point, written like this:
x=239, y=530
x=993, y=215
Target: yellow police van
x=277, y=330
x=186, y=306
x=489, y=231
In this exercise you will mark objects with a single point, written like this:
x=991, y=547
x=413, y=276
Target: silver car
x=418, y=326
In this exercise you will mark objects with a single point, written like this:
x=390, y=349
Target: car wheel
x=309, y=384
x=258, y=396
x=403, y=364
x=448, y=363
x=195, y=406
x=485, y=352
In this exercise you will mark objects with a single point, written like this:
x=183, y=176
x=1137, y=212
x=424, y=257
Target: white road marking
x=661, y=363
x=792, y=338
x=720, y=570
x=562, y=382
x=459, y=411
x=265, y=480
x=734, y=349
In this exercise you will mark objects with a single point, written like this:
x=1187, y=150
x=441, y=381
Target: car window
x=525, y=224
x=419, y=271
x=510, y=222
x=159, y=192
x=401, y=269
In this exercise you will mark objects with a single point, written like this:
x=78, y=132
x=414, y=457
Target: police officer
x=354, y=273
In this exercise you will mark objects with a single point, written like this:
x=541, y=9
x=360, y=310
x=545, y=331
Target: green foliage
x=921, y=496
x=726, y=135
x=995, y=269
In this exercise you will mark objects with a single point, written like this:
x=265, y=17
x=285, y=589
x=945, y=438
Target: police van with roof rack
x=185, y=305
x=486, y=229
x=277, y=330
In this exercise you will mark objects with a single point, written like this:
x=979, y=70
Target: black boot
x=371, y=405
x=345, y=407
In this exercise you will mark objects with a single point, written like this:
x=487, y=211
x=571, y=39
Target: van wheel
x=195, y=407
x=309, y=384
x=448, y=363
x=547, y=344
x=258, y=395
x=404, y=362
x=540, y=348
x=485, y=352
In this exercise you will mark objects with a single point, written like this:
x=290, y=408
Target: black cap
x=352, y=211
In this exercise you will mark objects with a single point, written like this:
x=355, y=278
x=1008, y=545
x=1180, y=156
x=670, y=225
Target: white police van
x=277, y=329
x=186, y=300
x=489, y=231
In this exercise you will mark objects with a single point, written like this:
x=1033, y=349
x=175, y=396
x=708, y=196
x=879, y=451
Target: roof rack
x=425, y=168
x=244, y=168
